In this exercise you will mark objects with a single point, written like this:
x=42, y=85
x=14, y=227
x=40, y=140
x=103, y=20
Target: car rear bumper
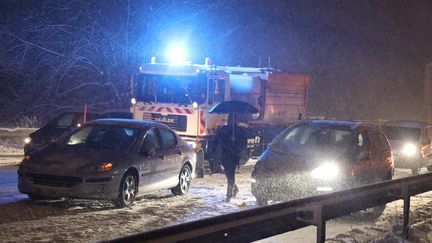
x=102, y=186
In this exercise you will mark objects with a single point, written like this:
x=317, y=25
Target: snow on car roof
x=407, y=123
x=351, y=124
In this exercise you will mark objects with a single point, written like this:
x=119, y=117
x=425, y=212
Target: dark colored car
x=411, y=144
x=62, y=124
x=320, y=156
x=114, y=159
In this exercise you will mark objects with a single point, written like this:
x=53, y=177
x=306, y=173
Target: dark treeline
x=366, y=57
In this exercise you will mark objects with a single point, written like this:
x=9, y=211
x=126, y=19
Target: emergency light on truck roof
x=176, y=53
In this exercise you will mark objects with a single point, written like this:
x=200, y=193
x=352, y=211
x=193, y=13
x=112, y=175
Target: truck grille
x=54, y=180
x=175, y=122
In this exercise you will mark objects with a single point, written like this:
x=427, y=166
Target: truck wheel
x=215, y=167
x=199, y=170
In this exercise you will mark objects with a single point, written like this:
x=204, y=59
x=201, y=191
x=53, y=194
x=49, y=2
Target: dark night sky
x=366, y=57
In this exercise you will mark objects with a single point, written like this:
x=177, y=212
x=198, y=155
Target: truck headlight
x=409, y=149
x=192, y=144
x=326, y=171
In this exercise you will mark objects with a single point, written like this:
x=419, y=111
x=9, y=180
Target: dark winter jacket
x=228, y=150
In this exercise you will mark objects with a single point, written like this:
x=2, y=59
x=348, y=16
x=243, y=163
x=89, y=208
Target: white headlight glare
x=326, y=171
x=409, y=149
x=27, y=140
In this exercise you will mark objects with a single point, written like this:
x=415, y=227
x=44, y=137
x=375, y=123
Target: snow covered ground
x=87, y=221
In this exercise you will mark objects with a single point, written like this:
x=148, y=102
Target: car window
x=402, y=133
x=65, y=120
x=168, y=138
x=375, y=140
x=150, y=140
x=79, y=137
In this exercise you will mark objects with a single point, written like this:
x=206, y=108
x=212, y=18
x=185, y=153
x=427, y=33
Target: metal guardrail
x=259, y=223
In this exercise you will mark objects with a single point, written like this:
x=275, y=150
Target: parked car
x=314, y=157
x=410, y=142
x=114, y=159
x=63, y=123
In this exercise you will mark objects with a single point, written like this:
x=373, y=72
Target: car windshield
x=319, y=135
x=103, y=137
x=402, y=133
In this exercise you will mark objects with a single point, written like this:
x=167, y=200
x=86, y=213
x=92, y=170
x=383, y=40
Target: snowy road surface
x=87, y=221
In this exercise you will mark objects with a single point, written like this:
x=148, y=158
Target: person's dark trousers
x=232, y=188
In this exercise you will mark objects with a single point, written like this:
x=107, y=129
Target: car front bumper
x=278, y=189
x=97, y=186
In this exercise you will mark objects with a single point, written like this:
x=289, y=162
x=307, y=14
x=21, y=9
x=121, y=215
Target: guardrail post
x=313, y=215
x=406, y=211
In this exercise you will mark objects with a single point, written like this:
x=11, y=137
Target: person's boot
x=236, y=190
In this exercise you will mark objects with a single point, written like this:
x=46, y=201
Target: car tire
x=185, y=179
x=34, y=197
x=415, y=170
x=261, y=201
x=429, y=167
x=127, y=191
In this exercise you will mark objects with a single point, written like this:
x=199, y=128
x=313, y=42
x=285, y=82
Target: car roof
x=353, y=125
x=406, y=123
x=126, y=123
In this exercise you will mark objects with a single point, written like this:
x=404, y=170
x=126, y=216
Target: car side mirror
x=364, y=155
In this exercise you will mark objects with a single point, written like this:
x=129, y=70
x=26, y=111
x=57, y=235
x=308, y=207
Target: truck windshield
x=171, y=89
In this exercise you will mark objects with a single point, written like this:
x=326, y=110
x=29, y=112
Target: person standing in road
x=230, y=141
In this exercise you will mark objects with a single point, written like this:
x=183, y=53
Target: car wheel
x=429, y=167
x=185, y=179
x=127, y=191
x=415, y=170
x=370, y=213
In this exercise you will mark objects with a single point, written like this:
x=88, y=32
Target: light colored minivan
x=410, y=142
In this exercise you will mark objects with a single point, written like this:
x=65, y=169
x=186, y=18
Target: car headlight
x=326, y=171
x=27, y=140
x=409, y=149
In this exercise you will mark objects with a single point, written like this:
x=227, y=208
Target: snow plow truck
x=180, y=96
